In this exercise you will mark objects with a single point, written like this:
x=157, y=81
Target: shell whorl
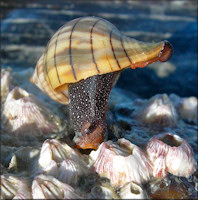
x=85, y=47
x=39, y=79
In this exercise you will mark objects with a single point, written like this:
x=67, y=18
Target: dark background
x=26, y=27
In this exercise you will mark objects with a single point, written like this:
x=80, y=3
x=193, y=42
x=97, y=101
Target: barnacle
x=48, y=187
x=158, y=111
x=132, y=191
x=13, y=187
x=24, y=114
x=61, y=161
x=170, y=153
x=121, y=162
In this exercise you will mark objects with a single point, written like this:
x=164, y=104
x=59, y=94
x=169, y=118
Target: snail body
x=87, y=47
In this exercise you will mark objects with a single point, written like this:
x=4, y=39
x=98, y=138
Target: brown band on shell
x=45, y=88
x=166, y=52
x=107, y=56
x=70, y=48
x=56, y=42
x=37, y=74
x=64, y=94
x=109, y=62
x=113, y=49
x=92, y=50
x=125, y=51
x=46, y=69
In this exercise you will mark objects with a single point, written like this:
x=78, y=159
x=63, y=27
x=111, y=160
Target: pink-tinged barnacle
x=158, y=110
x=157, y=151
x=48, y=187
x=132, y=191
x=13, y=187
x=121, y=162
x=24, y=114
x=170, y=153
x=180, y=158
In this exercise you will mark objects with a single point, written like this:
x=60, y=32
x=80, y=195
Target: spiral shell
x=89, y=46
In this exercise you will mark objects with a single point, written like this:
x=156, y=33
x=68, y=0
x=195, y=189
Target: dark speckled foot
x=88, y=107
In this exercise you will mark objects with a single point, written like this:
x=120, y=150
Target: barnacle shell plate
x=158, y=110
x=61, y=161
x=169, y=152
x=24, y=114
x=121, y=162
x=13, y=187
x=186, y=107
x=132, y=191
x=48, y=187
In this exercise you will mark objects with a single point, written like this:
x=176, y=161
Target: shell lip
x=166, y=52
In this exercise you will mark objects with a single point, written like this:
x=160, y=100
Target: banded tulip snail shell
x=80, y=65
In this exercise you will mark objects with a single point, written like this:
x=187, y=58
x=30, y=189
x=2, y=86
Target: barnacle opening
x=134, y=190
x=126, y=149
x=171, y=140
x=19, y=94
x=121, y=149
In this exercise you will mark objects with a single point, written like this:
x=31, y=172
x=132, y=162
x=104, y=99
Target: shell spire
x=141, y=54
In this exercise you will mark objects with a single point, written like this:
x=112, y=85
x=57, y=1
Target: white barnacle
x=48, y=187
x=61, y=161
x=132, y=190
x=158, y=110
x=24, y=114
x=14, y=187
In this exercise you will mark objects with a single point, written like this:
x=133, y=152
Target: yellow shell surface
x=86, y=47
